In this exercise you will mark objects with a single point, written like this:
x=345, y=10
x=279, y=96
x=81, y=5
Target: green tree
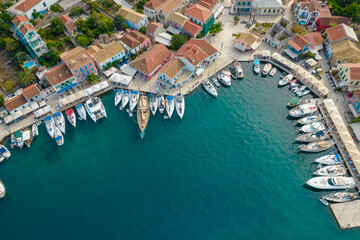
x=35, y=15
x=119, y=22
x=82, y=39
x=215, y=28
x=1, y=100
x=21, y=57
x=67, y=39
x=5, y=17
x=49, y=59
x=26, y=77
x=353, y=12
x=76, y=11
x=177, y=41
x=92, y=78
x=8, y=86
x=56, y=8
x=57, y=26
x=236, y=18
x=11, y=44
x=142, y=30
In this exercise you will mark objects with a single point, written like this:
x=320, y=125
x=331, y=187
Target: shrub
x=236, y=18
x=56, y=8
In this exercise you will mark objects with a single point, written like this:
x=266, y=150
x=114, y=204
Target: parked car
x=244, y=21
x=318, y=70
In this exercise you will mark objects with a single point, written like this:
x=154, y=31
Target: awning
x=128, y=70
x=103, y=84
x=218, y=11
x=121, y=79
x=71, y=98
x=79, y=94
x=173, y=30
x=95, y=88
x=42, y=103
x=27, y=110
x=63, y=102
x=110, y=71
x=311, y=62
x=265, y=53
x=163, y=38
x=8, y=119
x=17, y=114
x=356, y=129
x=290, y=53
x=199, y=71
x=88, y=92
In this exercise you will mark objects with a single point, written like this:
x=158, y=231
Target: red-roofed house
x=16, y=103
x=150, y=62
x=69, y=23
x=349, y=74
x=134, y=41
x=27, y=7
x=31, y=93
x=200, y=16
x=298, y=45
x=24, y=99
x=315, y=39
x=324, y=22
x=191, y=29
x=162, y=9
x=61, y=78
x=153, y=30
x=340, y=32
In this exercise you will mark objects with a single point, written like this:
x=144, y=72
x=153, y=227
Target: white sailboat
x=309, y=120
x=59, y=138
x=60, y=121
x=134, y=98
x=50, y=125
x=313, y=127
x=180, y=105
x=332, y=159
x=343, y=196
x=170, y=105
x=125, y=99
x=331, y=170
x=209, y=88
x=153, y=104
x=303, y=110
x=70, y=114
x=161, y=104
x=118, y=96
x=2, y=189
x=331, y=183
x=81, y=111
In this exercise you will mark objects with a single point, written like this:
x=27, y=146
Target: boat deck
x=347, y=214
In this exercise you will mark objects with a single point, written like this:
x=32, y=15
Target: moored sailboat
x=331, y=170
x=317, y=146
x=60, y=121
x=2, y=189
x=344, y=196
x=313, y=136
x=125, y=99
x=34, y=130
x=118, y=96
x=170, y=105
x=153, y=104
x=161, y=104
x=59, y=138
x=134, y=98
x=313, y=127
x=50, y=125
x=180, y=105
x=4, y=151
x=81, y=111
x=143, y=114
x=70, y=114
x=331, y=159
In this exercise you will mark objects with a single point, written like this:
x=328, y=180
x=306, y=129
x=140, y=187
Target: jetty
x=347, y=214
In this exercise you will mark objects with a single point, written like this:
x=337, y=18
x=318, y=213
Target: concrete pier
x=347, y=214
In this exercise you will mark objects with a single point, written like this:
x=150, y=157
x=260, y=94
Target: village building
x=60, y=78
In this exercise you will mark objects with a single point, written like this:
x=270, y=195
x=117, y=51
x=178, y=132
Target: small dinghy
x=71, y=116
x=161, y=104
x=170, y=105
x=339, y=197
x=34, y=130
x=272, y=72
x=153, y=104
x=59, y=138
x=309, y=120
x=317, y=146
x=313, y=137
x=313, y=127
x=331, y=183
x=80, y=109
x=60, y=121
x=125, y=99
x=332, y=159
x=209, y=88
x=323, y=201
x=118, y=96
x=134, y=98
x=180, y=105
x=331, y=170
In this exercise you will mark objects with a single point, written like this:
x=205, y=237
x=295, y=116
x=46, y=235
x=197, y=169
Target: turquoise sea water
x=229, y=170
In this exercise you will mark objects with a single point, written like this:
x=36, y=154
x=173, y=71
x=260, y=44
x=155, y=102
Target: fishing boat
x=272, y=72
x=313, y=137
x=60, y=121
x=180, y=105
x=143, y=114
x=331, y=159
x=81, y=111
x=267, y=68
x=19, y=139
x=312, y=127
x=12, y=140
x=239, y=70
x=26, y=135
x=2, y=189
x=50, y=125
x=71, y=117
x=227, y=73
x=310, y=119
x=125, y=99
x=302, y=93
x=331, y=183
x=286, y=80
x=95, y=108
x=293, y=102
x=297, y=88
x=224, y=79
x=170, y=105
x=303, y=110
x=118, y=96
x=161, y=104
x=233, y=73
x=339, y=197
x=34, y=130
x=59, y=138
x=317, y=146
x=216, y=82
x=153, y=104
x=4, y=151
x=209, y=88
x=256, y=65
x=331, y=170
x=134, y=98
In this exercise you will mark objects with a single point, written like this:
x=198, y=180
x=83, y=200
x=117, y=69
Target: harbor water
x=229, y=170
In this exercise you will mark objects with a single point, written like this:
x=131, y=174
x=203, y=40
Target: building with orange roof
x=315, y=39
x=31, y=93
x=349, y=74
x=69, y=23
x=153, y=30
x=133, y=19
x=16, y=103
x=27, y=7
x=29, y=37
x=175, y=73
x=247, y=42
x=134, y=41
x=191, y=29
x=325, y=22
x=161, y=9
x=150, y=62
x=297, y=45
x=60, y=78
x=201, y=16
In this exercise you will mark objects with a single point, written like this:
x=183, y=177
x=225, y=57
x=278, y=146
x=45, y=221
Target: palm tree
x=26, y=77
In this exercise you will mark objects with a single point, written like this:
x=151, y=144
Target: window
x=83, y=74
x=81, y=70
x=357, y=83
x=90, y=64
x=273, y=10
x=78, y=76
x=76, y=71
x=85, y=67
x=44, y=4
x=92, y=70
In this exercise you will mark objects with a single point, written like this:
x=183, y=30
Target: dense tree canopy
x=119, y=22
x=57, y=26
x=177, y=41
x=26, y=77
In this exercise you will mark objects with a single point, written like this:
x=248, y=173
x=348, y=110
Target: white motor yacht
x=4, y=151
x=224, y=79
x=2, y=189
x=256, y=65
x=267, y=68
x=34, y=130
x=272, y=72
x=310, y=119
x=303, y=110
x=209, y=88
x=331, y=183
x=313, y=127
x=286, y=80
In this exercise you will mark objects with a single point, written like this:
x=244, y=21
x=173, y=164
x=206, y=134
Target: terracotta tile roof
x=154, y=4
x=354, y=69
x=105, y=52
x=31, y=91
x=65, y=18
x=346, y=51
x=151, y=59
x=339, y=32
x=331, y=20
x=172, y=68
x=15, y=102
x=209, y=4
x=198, y=12
x=311, y=6
x=27, y=5
x=169, y=6
x=133, y=39
x=178, y=18
x=192, y=27
x=247, y=37
x=324, y=11
x=298, y=42
x=25, y=28
x=75, y=57
x=131, y=15
x=152, y=27
x=58, y=74
x=195, y=51
x=70, y=26
x=314, y=39
x=18, y=19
